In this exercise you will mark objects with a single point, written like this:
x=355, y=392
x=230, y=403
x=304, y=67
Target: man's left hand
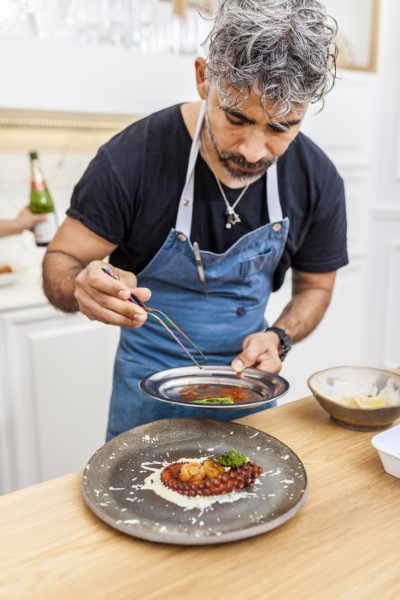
x=260, y=351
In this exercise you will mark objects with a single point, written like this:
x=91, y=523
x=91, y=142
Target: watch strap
x=284, y=339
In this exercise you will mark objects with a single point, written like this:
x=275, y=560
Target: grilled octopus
x=208, y=478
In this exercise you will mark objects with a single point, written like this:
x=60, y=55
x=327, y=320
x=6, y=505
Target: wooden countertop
x=343, y=544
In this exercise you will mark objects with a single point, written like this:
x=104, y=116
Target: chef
x=204, y=206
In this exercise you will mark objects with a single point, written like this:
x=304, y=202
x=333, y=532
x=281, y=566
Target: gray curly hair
x=281, y=49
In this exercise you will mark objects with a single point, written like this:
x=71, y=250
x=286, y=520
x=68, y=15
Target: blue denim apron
x=239, y=283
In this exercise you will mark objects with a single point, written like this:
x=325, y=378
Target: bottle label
x=38, y=186
x=45, y=231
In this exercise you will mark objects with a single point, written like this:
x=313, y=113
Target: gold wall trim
x=65, y=124
x=53, y=139
x=15, y=118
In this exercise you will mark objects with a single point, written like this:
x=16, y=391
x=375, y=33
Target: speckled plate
x=167, y=385
x=113, y=479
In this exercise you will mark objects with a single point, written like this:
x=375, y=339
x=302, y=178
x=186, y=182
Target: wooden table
x=343, y=543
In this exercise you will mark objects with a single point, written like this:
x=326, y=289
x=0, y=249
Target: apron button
x=181, y=237
x=241, y=311
x=277, y=227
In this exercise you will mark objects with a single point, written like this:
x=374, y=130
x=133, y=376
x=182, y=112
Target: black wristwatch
x=285, y=341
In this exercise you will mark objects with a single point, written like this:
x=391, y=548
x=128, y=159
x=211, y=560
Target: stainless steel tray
x=167, y=386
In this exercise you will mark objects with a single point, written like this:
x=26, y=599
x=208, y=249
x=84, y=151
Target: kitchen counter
x=25, y=291
x=343, y=543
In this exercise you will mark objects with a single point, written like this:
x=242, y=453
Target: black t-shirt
x=130, y=192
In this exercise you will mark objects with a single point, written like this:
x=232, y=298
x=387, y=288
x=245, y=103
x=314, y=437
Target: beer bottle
x=41, y=202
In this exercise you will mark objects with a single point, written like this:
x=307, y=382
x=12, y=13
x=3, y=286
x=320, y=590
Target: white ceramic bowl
x=331, y=386
x=388, y=445
x=12, y=277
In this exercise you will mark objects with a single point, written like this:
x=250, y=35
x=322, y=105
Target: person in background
x=232, y=174
x=25, y=220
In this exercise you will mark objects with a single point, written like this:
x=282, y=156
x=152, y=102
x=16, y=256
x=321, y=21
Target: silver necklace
x=232, y=216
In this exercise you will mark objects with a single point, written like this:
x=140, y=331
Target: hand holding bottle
x=25, y=220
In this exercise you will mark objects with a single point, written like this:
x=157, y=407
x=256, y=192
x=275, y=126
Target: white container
x=388, y=445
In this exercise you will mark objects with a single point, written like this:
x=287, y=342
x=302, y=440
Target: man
x=234, y=175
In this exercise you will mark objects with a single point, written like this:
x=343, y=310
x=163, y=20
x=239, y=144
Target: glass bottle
x=41, y=202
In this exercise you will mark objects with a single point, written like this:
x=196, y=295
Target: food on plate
x=370, y=401
x=232, y=459
x=218, y=394
x=363, y=388
x=5, y=269
x=221, y=400
x=231, y=472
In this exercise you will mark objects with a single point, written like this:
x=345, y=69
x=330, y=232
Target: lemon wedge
x=362, y=401
x=371, y=401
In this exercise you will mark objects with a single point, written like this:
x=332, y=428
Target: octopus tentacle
x=228, y=481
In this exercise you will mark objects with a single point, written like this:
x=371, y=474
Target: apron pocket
x=256, y=264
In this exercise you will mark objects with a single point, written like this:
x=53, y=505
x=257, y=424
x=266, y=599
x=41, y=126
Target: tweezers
x=151, y=312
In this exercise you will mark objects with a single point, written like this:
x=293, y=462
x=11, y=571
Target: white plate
x=10, y=278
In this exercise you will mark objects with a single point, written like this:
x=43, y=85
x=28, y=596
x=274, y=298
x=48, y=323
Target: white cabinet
x=55, y=384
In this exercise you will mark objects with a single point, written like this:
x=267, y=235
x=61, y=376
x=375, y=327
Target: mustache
x=239, y=160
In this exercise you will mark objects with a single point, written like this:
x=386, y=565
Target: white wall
x=384, y=266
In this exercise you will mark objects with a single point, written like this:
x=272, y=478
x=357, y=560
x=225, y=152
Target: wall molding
x=64, y=120
x=397, y=157
x=391, y=337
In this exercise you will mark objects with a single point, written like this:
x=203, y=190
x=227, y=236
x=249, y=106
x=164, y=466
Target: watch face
x=286, y=342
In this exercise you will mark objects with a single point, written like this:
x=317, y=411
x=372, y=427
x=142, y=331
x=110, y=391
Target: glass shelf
x=149, y=26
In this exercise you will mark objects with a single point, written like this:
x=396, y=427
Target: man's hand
x=102, y=298
x=311, y=295
x=260, y=351
x=73, y=279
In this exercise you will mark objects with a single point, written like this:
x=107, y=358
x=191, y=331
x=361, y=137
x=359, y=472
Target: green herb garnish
x=232, y=459
x=223, y=400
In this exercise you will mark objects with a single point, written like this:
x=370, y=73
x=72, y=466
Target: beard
x=236, y=166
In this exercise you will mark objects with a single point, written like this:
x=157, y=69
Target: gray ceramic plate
x=168, y=385
x=113, y=478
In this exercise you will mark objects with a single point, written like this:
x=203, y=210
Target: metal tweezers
x=151, y=312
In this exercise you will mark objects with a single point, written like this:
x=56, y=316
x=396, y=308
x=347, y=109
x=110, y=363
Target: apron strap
x=273, y=201
x=185, y=211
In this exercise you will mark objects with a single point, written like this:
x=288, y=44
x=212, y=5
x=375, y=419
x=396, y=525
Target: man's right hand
x=73, y=279
x=102, y=298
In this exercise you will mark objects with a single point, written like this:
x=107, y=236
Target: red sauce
x=202, y=392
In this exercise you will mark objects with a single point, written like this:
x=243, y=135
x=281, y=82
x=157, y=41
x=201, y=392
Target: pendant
x=232, y=217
